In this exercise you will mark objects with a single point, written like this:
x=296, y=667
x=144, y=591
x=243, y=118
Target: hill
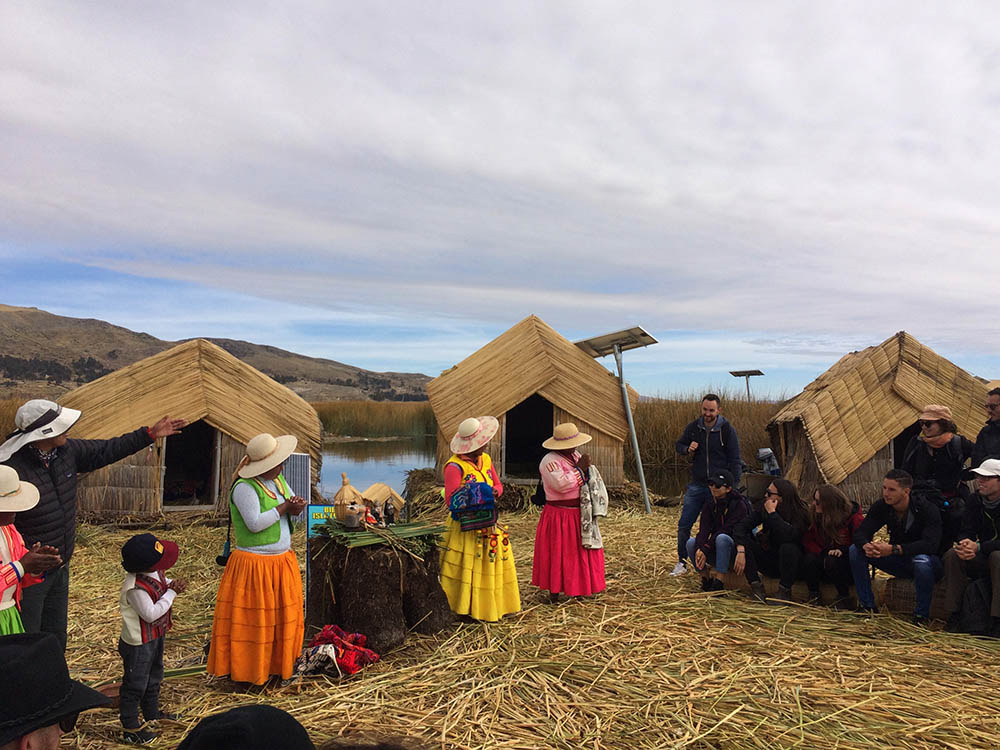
x=45, y=355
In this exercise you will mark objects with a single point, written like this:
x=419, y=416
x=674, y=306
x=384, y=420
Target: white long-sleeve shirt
x=135, y=603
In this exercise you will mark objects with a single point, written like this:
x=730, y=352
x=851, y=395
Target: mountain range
x=44, y=355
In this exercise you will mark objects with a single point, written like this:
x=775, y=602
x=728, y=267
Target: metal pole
x=631, y=428
x=748, y=387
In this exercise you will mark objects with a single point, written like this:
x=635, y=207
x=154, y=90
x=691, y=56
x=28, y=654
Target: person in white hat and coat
x=258, y=626
x=20, y=567
x=42, y=454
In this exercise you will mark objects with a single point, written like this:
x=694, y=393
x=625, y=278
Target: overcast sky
x=392, y=184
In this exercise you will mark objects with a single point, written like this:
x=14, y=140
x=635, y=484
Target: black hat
x=721, y=477
x=247, y=728
x=145, y=552
x=35, y=688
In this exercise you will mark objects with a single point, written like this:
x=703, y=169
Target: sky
x=393, y=184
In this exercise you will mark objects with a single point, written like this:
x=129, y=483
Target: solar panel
x=297, y=474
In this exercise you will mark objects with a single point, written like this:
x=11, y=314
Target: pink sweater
x=560, y=477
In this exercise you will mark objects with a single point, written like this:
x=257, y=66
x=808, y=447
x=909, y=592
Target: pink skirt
x=561, y=564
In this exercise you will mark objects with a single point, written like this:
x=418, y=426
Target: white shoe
x=679, y=569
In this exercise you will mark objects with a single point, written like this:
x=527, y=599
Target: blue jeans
x=719, y=557
x=923, y=569
x=694, y=499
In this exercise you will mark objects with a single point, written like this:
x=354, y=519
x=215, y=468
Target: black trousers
x=837, y=570
x=141, y=683
x=44, y=606
x=782, y=563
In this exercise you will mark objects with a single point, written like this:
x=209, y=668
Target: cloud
x=792, y=181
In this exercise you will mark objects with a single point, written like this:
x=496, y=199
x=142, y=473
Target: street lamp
x=745, y=374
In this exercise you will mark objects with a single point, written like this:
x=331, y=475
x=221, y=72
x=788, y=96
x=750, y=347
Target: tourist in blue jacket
x=713, y=446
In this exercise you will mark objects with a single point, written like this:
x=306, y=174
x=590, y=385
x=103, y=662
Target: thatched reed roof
x=195, y=380
x=529, y=358
x=867, y=398
x=992, y=384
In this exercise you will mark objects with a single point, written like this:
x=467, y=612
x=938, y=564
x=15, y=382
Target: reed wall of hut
x=605, y=452
x=130, y=487
x=231, y=452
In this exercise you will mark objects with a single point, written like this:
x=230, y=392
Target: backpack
x=974, y=616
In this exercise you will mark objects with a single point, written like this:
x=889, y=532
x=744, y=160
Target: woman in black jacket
x=776, y=549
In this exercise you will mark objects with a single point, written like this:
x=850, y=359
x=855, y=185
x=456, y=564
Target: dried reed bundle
x=650, y=663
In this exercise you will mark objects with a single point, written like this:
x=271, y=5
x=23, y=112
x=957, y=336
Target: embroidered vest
x=270, y=535
x=155, y=587
x=470, y=473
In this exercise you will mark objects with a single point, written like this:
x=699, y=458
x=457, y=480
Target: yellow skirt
x=259, y=625
x=477, y=572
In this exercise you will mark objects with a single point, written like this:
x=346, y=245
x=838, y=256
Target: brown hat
x=934, y=412
x=565, y=436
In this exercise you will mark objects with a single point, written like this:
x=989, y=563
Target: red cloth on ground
x=561, y=564
x=351, y=652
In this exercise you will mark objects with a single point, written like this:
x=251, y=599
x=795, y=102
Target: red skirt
x=561, y=564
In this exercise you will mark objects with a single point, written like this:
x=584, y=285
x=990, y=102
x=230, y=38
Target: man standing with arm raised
x=41, y=454
x=712, y=443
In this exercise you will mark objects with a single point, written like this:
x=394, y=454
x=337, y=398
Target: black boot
x=757, y=592
x=784, y=594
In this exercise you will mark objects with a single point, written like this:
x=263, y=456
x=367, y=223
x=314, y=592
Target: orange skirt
x=259, y=625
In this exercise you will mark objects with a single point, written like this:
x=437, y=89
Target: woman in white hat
x=19, y=566
x=258, y=627
x=561, y=564
x=477, y=564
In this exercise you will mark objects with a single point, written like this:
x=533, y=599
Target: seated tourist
x=977, y=552
x=827, y=543
x=914, y=526
x=776, y=548
x=720, y=517
x=38, y=700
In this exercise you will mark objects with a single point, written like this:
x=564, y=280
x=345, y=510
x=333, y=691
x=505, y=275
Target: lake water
x=368, y=461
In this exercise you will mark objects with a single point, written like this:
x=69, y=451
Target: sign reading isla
x=318, y=515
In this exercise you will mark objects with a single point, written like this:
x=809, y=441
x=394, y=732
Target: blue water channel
x=368, y=461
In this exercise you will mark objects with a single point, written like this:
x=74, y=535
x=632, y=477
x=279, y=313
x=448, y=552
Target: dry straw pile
x=651, y=663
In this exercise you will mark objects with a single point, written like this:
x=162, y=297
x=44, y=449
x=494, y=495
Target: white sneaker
x=679, y=569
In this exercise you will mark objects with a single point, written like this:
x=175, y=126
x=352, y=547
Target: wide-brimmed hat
x=565, y=436
x=38, y=419
x=934, y=412
x=474, y=433
x=264, y=452
x=145, y=552
x=248, y=728
x=15, y=495
x=35, y=688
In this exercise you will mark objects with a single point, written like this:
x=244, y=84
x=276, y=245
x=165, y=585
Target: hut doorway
x=191, y=468
x=526, y=426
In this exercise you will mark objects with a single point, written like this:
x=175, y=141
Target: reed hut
x=531, y=379
x=851, y=425
x=225, y=402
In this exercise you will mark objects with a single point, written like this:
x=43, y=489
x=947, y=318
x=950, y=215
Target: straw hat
x=565, y=436
x=473, y=433
x=934, y=412
x=15, y=495
x=38, y=419
x=264, y=452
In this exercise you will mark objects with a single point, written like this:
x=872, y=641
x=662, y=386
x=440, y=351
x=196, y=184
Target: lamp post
x=615, y=343
x=745, y=374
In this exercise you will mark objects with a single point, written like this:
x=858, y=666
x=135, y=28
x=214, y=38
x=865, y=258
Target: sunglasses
x=67, y=723
x=991, y=407
x=927, y=422
x=715, y=485
x=768, y=493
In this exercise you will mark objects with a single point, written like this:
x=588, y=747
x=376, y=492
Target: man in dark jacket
x=713, y=446
x=721, y=518
x=988, y=440
x=41, y=454
x=914, y=526
x=977, y=552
